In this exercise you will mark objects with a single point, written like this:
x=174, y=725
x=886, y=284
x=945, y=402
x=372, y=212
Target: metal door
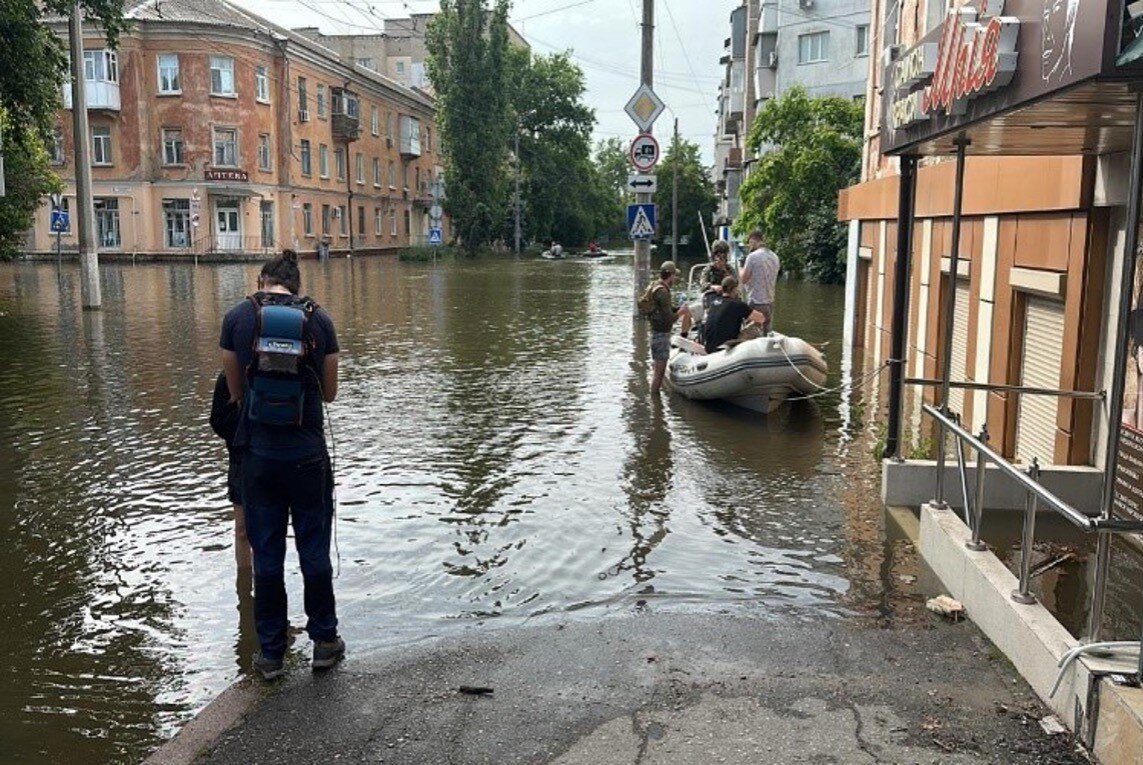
x=1040, y=368
x=959, y=373
x=227, y=226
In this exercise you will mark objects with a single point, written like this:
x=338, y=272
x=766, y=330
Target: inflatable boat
x=756, y=374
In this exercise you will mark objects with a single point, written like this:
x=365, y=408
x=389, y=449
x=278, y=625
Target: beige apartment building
x=216, y=132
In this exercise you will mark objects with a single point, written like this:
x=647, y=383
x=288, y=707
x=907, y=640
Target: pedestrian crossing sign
x=435, y=236
x=641, y=221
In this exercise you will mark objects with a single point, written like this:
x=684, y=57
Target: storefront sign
x=226, y=175
x=1129, y=474
x=974, y=55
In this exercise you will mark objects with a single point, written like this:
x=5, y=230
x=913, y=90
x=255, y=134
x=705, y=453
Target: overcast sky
x=603, y=36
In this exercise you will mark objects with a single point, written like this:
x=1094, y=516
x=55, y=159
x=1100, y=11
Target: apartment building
x=215, y=131
x=822, y=45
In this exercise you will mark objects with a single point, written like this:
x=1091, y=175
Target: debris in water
x=946, y=606
x=1051, y=563
x=475, y=690
x=1052, y=725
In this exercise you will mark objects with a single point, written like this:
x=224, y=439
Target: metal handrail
x=1084, y=394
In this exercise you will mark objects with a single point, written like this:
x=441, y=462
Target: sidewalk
x=661, y=688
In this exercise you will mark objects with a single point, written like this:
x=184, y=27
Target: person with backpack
x=280, y=357
x=656, y=306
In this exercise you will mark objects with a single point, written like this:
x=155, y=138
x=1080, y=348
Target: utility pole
x=84, y=204
x=675, y=196
x=517, y=190
x=643, y=246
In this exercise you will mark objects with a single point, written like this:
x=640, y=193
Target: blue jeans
x=276, y=491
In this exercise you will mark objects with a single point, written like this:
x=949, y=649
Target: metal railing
x=1035, y=495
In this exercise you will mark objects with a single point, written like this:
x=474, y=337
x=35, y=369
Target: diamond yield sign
x=644, y=108
x=644, y=152
x=641, y=221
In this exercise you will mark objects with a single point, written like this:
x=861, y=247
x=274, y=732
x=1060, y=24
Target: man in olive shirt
x=662, y=319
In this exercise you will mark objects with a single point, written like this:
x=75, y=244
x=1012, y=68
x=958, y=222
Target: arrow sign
x=642, y=184
x=641, y=221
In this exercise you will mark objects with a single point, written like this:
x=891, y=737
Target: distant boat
x=549, y=255
x=757, y=374
x=600, y=253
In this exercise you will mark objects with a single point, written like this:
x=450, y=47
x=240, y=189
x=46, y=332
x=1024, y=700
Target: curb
x=207, y=727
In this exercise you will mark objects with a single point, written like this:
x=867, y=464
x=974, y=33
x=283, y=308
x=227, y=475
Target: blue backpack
x=276, y=390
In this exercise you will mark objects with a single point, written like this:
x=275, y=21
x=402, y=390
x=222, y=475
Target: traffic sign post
x=642, y=184
x=641, y=221
x=644, y=152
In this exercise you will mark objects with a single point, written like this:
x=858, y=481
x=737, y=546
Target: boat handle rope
x=852, y=384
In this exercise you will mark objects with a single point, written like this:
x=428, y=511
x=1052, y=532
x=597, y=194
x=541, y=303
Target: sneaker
x=328, y=653
x=269, y=669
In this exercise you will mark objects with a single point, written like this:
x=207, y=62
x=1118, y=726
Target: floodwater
x=498, y=460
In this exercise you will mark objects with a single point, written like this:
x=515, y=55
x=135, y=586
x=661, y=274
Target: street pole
x=84, y=203
x=517, y=190
x=643, y=246
x=675, y=196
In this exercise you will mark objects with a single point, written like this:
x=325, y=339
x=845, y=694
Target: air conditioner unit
x=303, y=115
x=389, y=142
x=889, y=54
x=773, y=59
x=806, y=4
x=336, y=212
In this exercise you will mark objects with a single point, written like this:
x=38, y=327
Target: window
x=58, y=157
x=428, y=142
x=405, y=176
x=343, y=102
x=813, y=48
x=264, y=151
x=339, y=161
x=343, y=220
x=172, y=146
x=361, y=221
x=221, y=76
x=374, y=120
x=307, y=160
x=225, y=147
x=303, y=98
x=378, y=221
x=169, y=73
x=392, y=175
x=365, y=63
x=389, y=126
x=308, y=219
x=266, y=210
x=100, y=145
x=261, y=84
x=176, y=222
x=417, y=188
x=325, y=219
x=323, y=161
x=393, y=222
x=321, y=101
x=100, y=66
x=862, y=40
x=377, y=172
x=359, y=166
x=400, y=67
x=107, y=221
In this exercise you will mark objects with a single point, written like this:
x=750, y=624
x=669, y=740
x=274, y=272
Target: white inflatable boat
x=756, y=374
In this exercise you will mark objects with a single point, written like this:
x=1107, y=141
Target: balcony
x=100, y=95
x=410, y=145
x=345, y=121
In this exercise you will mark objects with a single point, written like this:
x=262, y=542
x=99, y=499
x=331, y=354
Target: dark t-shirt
x=278, y=441
x=723, y=322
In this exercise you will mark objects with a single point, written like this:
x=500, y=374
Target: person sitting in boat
x=725, y=316
x=557, y=249
x=593, y=247
x=710, y=283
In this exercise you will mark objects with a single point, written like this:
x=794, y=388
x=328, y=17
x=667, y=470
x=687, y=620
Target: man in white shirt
x=760, y=277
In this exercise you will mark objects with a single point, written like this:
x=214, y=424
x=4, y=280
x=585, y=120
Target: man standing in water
x=280, y=380
x=662, y=315
x=760, y=278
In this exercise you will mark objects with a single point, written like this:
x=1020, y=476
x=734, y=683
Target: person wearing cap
x=718, y=269
x=662, y=320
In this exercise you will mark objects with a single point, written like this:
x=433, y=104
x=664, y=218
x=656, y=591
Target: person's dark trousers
x=276, y=491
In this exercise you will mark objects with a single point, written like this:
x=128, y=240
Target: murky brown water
x=498, y=456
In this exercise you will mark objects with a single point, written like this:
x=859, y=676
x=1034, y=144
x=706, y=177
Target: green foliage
x=33, y=65
x=468, y=48
x=612, y=168
x=426, y=254
x=811, y=149
x=697, y=199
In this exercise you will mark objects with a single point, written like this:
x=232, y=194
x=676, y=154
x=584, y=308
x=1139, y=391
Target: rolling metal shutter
x=958, y=372
x=1040, y=368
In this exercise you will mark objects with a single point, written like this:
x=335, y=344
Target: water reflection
x=498, y=455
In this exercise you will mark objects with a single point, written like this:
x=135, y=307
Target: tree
x=612, y=168
x=697, y=199
x=33, y=65
x=812, y=150
x=467, y=46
